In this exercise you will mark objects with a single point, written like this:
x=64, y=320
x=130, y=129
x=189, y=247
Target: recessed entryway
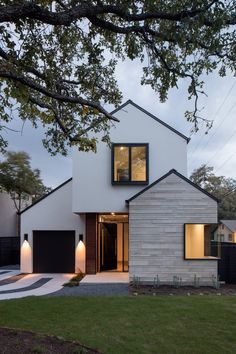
x=113, y=242
x=54, y=251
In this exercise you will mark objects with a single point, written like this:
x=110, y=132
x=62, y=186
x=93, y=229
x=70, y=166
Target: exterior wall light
x=26, y=237
x=81, y=237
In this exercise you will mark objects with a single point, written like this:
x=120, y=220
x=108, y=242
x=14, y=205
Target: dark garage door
x=54, y=251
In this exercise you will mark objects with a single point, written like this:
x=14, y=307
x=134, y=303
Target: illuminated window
x=130, y=163
x=198, y=243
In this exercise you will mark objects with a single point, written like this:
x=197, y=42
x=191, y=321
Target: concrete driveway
x=13, y=285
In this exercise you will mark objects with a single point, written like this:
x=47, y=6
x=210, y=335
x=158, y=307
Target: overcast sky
x=218, y=148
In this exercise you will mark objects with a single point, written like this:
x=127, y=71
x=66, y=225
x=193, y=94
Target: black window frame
x=129, y=182
x=211, y=258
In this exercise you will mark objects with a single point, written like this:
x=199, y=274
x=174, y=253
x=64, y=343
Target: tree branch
x=7, y=74
x=14, y=12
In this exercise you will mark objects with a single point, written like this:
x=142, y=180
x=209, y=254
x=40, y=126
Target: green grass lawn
x=131, y=324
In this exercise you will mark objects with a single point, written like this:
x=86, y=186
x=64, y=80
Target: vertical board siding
x=156, y=228
x=91, y=241
x=9, y=251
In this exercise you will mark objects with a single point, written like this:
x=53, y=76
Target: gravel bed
x=93, y=290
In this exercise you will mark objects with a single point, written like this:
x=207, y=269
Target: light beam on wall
x=26, y=257
x=80, y=256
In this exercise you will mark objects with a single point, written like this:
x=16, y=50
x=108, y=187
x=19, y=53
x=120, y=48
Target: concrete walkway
x=106, y=278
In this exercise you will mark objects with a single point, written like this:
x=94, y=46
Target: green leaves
x=221, y=187
x=58, y=60
x=19, y=180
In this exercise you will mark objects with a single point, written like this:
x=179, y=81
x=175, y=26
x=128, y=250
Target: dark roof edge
x=152, y=116
x=46, y=195
x=165, y=176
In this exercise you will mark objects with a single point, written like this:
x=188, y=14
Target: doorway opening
x=113, y=242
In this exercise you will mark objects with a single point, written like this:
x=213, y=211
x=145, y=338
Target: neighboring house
x=127, y=208
x=226, y=231
x=8, y=215
x=8, y=222
x=9, y=241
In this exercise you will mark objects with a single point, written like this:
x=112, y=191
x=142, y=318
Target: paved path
x=106, y=278
x=34, y=285
x=107, y=283
x=8, y=274
x=11, y=279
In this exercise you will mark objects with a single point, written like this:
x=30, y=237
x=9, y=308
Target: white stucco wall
x=92, y=188
x=7, y=216
x=52, y=213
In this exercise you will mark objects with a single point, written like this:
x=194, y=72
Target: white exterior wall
x=156, y=231
x=52, y=213
x=92, y=188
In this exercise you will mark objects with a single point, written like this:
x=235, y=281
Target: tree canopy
x=221, y=187
x=19, y=180
x=58, y=59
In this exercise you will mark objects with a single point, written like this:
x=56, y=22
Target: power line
x=225, y=162
x=224, y=119
x=222, y=147
x=228, y=193
x=217, y=111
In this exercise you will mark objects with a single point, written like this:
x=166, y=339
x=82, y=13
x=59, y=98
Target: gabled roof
x=46, y=195
x=173, y=171
x=152, y=116
x=230, y=224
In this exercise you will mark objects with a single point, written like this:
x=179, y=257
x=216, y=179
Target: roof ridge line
x=46, y=195
x=129, y=101
x=172, y=171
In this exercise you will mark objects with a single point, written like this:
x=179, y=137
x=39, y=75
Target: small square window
x=129, y=164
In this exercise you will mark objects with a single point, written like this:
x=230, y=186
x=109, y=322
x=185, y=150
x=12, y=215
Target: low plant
x=216, y=281
x=136, y=281
x=156, y=282
x=177, y=281
x=196, y=281
x=75, y=280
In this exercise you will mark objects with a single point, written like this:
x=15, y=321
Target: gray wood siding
x=156, y=231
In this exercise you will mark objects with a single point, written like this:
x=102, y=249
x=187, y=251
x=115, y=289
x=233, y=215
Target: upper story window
x=129, y=163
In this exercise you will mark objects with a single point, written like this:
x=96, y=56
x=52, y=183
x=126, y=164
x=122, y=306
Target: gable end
x=152, y=116
x=164, y=177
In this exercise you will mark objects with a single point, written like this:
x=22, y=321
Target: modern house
x=127, y=208
x=8, y=221
x=226, y=231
